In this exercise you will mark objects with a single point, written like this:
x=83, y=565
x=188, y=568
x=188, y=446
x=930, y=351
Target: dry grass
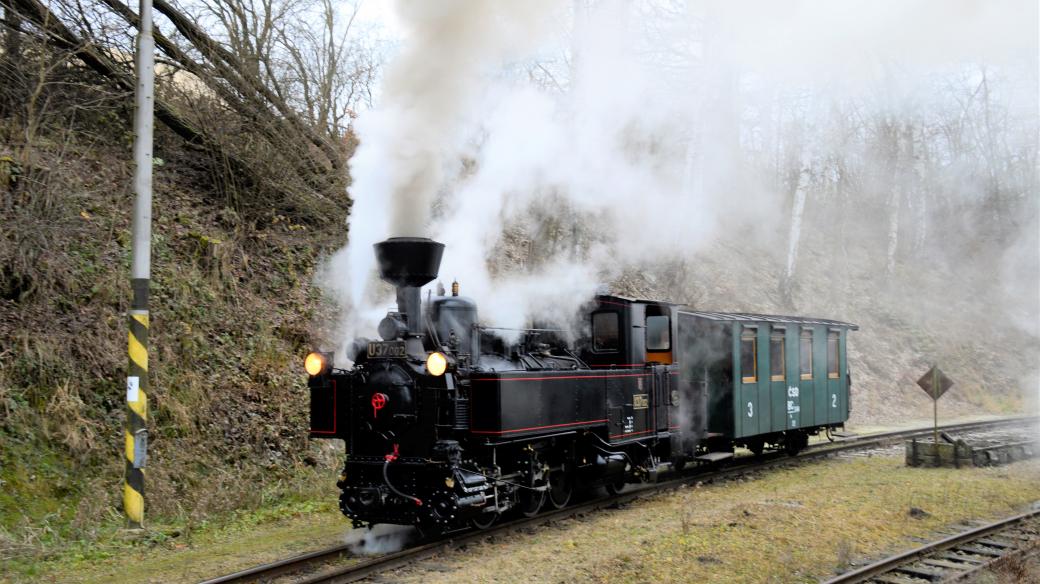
x=794, y=525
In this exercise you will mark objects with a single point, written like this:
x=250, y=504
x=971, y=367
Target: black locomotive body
x=448, y=424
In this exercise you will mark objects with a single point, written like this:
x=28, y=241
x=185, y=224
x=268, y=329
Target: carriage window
x=805, y=353
x=832, y=355
x=658, y=333
x=748, y=357
x=777, y=363
x=605, y=335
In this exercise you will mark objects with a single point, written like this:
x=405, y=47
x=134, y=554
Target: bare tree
x=288, y=73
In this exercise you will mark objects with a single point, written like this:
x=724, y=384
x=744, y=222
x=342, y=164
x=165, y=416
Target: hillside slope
x=232, y=306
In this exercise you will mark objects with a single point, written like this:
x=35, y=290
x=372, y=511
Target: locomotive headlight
x=314, y=364
x=436, y=364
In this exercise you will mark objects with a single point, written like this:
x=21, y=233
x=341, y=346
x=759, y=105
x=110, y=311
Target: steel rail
x=893, y=563
x=399, y=559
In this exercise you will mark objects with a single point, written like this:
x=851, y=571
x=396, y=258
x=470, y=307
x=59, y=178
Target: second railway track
x=956, y=557
x=307, y=567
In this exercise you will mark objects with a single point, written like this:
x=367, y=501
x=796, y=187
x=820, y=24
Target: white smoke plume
x=640, y=117
x=414, y=133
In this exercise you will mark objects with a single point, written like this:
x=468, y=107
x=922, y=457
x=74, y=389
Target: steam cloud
x=635, y=118
x=384, y=538
x=406, y=143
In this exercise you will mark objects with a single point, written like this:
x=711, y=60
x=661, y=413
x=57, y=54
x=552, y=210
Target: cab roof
x=616, y=298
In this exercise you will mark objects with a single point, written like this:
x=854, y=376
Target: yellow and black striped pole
x=136, y=438
x=136, y=447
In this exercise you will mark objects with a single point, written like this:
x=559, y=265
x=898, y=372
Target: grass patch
x=294, y=516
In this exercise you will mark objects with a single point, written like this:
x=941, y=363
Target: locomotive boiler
x=448, y=424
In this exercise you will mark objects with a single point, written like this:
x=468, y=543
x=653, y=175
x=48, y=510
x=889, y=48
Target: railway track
x=957, y=557
x=307, y=568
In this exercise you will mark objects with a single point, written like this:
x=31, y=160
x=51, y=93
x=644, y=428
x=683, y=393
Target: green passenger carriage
x=768, y=379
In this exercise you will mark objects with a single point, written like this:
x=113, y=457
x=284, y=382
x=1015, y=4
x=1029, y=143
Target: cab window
x=658, y=333
x=777, y=362
x=748, y=356
x=605, y=331
x=832, y=355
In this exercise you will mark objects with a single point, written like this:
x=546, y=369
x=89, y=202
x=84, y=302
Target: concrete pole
x=137, y=386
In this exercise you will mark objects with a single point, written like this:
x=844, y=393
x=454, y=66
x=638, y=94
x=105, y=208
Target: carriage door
x=834, y=383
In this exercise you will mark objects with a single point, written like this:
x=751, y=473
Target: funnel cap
x=408, y=261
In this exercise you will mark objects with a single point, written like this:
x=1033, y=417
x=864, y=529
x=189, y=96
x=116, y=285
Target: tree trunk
x=799, y=189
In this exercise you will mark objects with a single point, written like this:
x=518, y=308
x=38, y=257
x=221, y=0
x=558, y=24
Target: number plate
x=640, y=401
x=386, y=350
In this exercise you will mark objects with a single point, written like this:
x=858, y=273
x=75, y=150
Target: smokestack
x=408, y=263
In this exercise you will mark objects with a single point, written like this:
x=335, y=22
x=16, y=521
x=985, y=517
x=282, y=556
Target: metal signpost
x=935, y=384
x=136, y=439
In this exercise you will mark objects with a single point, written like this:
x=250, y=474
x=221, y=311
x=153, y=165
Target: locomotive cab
x=630, y=333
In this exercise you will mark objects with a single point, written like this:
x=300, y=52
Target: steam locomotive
x=448, y=424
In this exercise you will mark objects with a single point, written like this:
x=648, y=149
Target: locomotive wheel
x=531, y=502
x=616, y=487
x=484, y=520
x=561, y=487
